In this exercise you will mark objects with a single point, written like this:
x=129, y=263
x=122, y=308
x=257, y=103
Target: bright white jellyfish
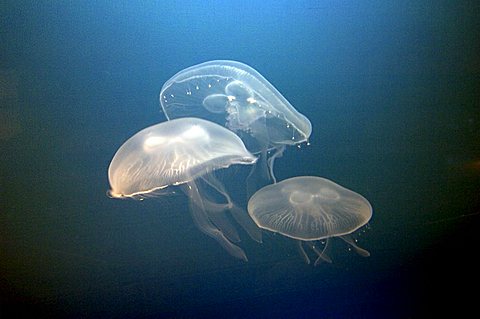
x=311, y=209
x=185, y=153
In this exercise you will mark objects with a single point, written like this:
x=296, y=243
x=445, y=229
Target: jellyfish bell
x=180, y=153
x=309, y=209
x=173, y=153
x=315, y=207
x=236, y=96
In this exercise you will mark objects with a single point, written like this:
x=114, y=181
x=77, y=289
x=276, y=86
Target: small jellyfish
x=182, y=153
x=310, y=209
x=236, y=96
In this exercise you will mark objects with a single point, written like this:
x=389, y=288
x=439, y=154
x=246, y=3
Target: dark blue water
x=391, y=90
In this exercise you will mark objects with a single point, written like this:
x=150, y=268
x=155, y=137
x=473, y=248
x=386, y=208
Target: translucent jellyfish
x=236, y=96
x=310, y=209
x=185, y=153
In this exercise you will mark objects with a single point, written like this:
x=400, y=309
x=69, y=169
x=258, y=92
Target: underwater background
x=391, y=89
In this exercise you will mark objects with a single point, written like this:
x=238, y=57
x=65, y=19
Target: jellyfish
x=311, y=209
x=184, y=153
x=236, y=96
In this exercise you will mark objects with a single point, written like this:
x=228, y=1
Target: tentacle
x=203, y=222
x=349, y=240
x=302, y=252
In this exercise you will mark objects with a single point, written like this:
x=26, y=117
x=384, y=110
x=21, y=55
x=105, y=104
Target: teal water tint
x=389, y=87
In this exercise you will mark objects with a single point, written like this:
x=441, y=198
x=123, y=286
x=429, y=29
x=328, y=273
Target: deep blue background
x=391, y=89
